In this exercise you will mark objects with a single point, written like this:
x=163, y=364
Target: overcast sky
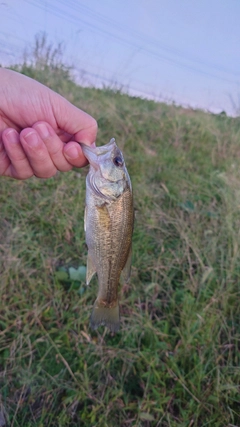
x=176, y=50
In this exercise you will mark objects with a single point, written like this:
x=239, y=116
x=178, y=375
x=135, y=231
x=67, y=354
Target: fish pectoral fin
x=85, y=219
x=91, y=269
x=126, y=271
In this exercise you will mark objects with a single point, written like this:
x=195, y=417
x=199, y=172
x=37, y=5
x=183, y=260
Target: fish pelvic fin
x=106, y=316
x=91, y=269
x=126, y=271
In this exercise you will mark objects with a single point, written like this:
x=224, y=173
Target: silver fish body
x=108, y=224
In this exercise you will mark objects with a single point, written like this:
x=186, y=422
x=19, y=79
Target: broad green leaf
x=78, y=274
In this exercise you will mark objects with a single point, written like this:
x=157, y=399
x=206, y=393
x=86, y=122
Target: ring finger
x=17, y=165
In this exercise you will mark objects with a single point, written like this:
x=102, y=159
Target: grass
x=175, y=361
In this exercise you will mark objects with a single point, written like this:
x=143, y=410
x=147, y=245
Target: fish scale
x=117, y=253
x=109, y=220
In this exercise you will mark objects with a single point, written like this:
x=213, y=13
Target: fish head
x=108, y=171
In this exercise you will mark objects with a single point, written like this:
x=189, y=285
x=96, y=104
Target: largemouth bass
x=108, y=224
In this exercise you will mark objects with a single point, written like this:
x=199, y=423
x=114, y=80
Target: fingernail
x=32, y=139
x=72, y=152
x=12, y=136
x=43, y=131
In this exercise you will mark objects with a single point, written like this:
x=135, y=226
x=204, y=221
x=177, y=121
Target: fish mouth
x=90, y=154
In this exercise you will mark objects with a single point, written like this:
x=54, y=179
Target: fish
x=108, y=226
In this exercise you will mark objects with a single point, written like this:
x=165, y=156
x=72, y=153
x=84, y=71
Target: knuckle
x=47, y=174
x=66, y=168
x=94, y=124
x=23, y=176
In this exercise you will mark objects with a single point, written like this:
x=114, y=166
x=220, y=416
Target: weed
x=175, y=361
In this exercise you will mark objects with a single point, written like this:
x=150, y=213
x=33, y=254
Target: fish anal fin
x=126, y=271
x=91, y=269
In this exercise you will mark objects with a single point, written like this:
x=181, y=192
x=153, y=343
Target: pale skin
x=39, y=129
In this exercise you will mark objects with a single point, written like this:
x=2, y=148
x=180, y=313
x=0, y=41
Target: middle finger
x=54, y=145
x=37, y=154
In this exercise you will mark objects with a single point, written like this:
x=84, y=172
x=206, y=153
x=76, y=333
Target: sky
x=187, y=52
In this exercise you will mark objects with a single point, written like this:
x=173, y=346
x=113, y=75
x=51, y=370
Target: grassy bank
x=175, y=361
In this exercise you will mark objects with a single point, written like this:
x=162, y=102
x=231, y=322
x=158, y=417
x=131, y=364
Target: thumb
x=73, y=120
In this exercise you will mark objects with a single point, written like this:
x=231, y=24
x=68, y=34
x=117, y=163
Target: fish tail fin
x=106, y=316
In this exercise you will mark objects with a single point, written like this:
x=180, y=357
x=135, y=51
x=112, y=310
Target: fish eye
x=118, y=161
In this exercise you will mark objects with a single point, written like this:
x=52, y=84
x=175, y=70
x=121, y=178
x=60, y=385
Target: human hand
x=39, y=129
